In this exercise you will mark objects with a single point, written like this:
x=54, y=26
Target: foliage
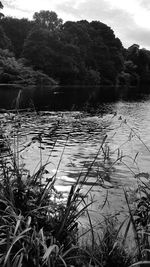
x=108, y=249
x=104, y=47
x=139, y=218
x=15, y=72
x=141, y=214
x=35, y=230
x=94, y=47
x=77, y=53
x=48, y=20
x=4, y=40
x=17, y=31
x=140, y=58
x=80, y=48
x=1, y=6
x=40, y=49
x=1, y=14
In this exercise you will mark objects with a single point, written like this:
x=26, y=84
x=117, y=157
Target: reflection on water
x=71, y=140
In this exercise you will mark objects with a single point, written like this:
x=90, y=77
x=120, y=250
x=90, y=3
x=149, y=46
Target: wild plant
x=139, y=219
x=108, y=248
x=34, y=229
x=138, y=208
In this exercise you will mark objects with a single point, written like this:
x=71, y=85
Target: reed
x=34, y=229
x=37, y=230
x=138, y=210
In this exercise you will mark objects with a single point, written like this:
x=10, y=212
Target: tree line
x=70, y=53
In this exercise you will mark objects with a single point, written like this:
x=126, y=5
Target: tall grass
x=38, y=230
x=34, y=230
x=138, y=209
x=139, y=219
x=108, y=248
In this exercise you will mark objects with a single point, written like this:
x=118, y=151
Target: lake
x=71, y=143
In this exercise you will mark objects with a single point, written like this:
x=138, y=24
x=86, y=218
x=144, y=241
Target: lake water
x=70, y=141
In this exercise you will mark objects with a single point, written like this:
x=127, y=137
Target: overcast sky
x=130, y=19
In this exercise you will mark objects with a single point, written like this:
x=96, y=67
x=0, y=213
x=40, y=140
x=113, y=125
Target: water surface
x=69, y=142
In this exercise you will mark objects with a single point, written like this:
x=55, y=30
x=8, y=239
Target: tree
x=99, y=49
x=106, y=51
x=17, y=31
x=14, y=71
x=41, y=49
x=16, y=77
x=4, y=40
x=1, y=14
x=141, y=59
x=1, y=6
x=48, y=20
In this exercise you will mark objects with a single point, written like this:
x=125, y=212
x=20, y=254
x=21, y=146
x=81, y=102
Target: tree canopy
x=17, y=31
x=78, y=51
x=14, y=71
x=4, y=40
x=48, y=20
x=73, y=53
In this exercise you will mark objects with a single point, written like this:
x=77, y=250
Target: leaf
x=15, y=240
x=29, y=221
x=63, y=261
x=69, y=250
x=114, y=246
x=49, y=250
x=3, y=241
x=141, y=263
x=126, y=231
x=135, y=157
x=17, y=225
x=142, y=174
x=18, y=261
x=133, y=224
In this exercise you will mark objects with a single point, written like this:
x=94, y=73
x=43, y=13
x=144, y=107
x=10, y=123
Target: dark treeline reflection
x=64, y=97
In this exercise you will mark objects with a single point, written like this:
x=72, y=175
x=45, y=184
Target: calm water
x=70, y=141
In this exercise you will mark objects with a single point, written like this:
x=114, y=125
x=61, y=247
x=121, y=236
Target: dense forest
x=46, y=50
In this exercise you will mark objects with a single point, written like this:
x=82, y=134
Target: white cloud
x=142, y=18
x=14, y=12
x=20, y=8
x=128, y=5
x=33, y=5
x=138, y=9
x=145, y=3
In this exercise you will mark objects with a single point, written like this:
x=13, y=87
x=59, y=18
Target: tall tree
x=41, y=49
x=48, y=19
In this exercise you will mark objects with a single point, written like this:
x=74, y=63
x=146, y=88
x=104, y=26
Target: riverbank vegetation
x=39, y=228
x=72, y=53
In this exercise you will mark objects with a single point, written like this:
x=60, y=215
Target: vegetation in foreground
x=36, y=229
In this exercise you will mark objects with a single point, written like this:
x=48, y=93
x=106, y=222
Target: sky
x=129, y=19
